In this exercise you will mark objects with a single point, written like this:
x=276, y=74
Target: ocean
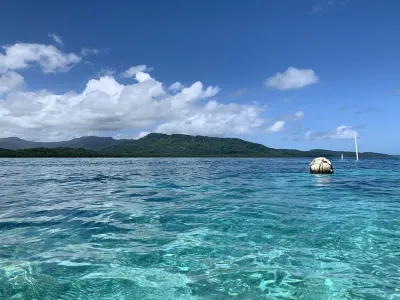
x=197, y=228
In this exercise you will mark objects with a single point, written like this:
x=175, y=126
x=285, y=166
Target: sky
x=298, y=74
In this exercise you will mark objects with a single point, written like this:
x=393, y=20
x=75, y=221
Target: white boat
x=342, y=156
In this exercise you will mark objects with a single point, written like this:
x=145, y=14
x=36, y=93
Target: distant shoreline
x=161, y=145
x=83, y=153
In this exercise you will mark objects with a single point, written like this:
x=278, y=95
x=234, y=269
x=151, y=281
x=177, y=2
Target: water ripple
x=198, y=229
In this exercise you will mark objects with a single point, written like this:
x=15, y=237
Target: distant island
x=158, y=145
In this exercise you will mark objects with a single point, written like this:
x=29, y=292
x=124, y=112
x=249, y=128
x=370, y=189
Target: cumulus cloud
x=132, y=71
x=292, y=78
x=106, y=105
x=48, y=57
x=142, y=77
x=341, y=132
x=176, y=86
x=10, y=81
x=57, y=39
x=276, y=127
x=215, y=119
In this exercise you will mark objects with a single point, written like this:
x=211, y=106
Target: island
x=159, y=145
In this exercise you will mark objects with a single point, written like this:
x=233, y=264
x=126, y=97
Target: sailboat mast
x=355, y=140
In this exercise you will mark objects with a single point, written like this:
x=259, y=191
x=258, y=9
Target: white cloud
x=132, y=71
x=215, y=119
x=88, y=51
x=142, y=77
x=341, y=132
x=292, y=78
x=56, y=39
x=298, y=115
x=141, y=134
x=10, y=81
x=48, y=57
x=276, y=127
x=176, y=86
x=89, y=133
x=121, y=136
x=106, y=105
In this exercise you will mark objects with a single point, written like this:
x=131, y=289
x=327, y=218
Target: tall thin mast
x=355, y=140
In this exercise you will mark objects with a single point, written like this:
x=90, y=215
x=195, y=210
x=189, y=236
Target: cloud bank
x=106, y=105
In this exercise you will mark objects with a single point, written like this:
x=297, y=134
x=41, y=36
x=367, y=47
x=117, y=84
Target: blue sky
x=287, y=74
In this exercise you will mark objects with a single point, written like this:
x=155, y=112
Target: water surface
x=198, y=229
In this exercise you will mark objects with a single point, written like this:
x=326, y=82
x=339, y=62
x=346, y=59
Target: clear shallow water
x=198, y=229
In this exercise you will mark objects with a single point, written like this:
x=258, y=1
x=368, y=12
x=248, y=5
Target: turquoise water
x=198, y=229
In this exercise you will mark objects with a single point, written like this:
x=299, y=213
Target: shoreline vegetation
x=160, y=145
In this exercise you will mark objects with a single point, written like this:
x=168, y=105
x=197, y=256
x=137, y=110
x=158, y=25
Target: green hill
x=86, y=142
x=180, y=145
x=47, y=152
x=158, y=145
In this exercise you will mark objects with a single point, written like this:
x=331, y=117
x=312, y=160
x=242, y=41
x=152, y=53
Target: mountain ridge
x=173, y=145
